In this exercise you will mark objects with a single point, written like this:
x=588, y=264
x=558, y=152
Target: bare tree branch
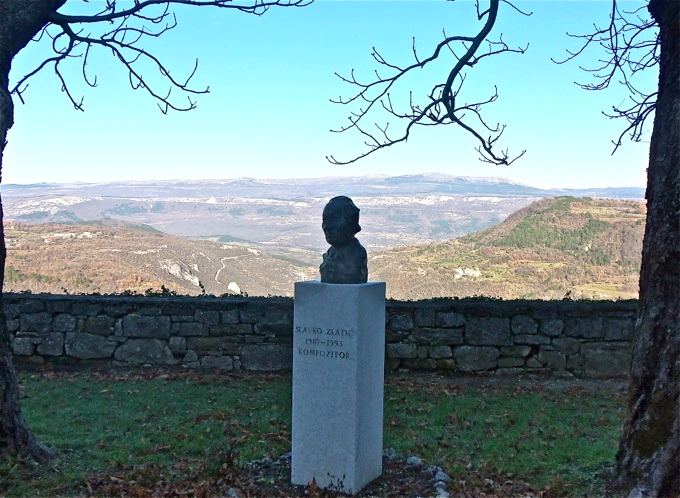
x=441, y=107
x=631, y=44
x=122, y=31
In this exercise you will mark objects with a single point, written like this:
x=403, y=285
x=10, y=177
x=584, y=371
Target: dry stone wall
x=580, y=338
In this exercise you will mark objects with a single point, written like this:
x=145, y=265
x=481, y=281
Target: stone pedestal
x=338, y=381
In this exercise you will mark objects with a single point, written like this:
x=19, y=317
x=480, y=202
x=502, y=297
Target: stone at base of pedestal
x=338, y=381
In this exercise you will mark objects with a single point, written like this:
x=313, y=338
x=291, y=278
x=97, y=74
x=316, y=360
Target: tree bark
x=15, y=436
x=648, y=460
x=20, y=20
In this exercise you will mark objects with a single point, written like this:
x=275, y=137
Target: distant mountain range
x=286, y=214
x=307, y=188
x=554, y=247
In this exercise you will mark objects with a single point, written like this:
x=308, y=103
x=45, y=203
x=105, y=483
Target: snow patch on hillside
x=50, y=205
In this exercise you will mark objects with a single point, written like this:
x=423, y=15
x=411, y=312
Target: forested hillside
x=579, y=248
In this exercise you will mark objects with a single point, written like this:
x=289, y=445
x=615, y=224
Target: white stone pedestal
x=338, y=381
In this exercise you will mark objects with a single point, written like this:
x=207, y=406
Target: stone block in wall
x=190, y=357
x=222, y=363
x=251, y=314
x=230, y=316
x=142, y=351
x=532, y=339
x=523, y=325
x=53, y=345
x=64, y=322
x=177, y=307
x=277, y=314
x=488, y=332
x=278, y=339
x=177, y=344
x=425, y=317
x=253, y=339
x=400, y=322
x=273, y=329
x=214, y=344
x=418, y=364
x=589, y=328
x=99, y=325
x=476, y=358
x=11, y=311
x=552, y=327
x=534, y=363
x=266, y=357
x=440, y=352
x=13, y=325
x=118, y=310
x=510, y=371
x=566, y=345
x=450, y=320
x=157, y=327
x=575, y=364
x=149, y=311
x=22, y=346
x=31, y=306
x=422, y=352
x=554, y=360
x=515, y=351
x=402, y=350
x=392, y=336
x=36, y=322
x=232, y=329
x=57, y=306
x=435, y=337
x=546, y=311
x=86, y=308
x=617, y=329
x=189, y=329
x=181, y=318
x=88, y=346
x=604, y=360
x=209, y=317
x=392, y=363
x=510, y=362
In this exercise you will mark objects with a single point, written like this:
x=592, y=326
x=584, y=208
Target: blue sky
x=268, y=113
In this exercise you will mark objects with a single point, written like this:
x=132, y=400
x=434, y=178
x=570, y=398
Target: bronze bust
x=345, y=261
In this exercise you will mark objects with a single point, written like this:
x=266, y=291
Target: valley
x=552, y=248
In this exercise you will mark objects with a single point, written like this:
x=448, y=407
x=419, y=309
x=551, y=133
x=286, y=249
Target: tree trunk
x=15, y=436
x=648, y=461
x=20, y=20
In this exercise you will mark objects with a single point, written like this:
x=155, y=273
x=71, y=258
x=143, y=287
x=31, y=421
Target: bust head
x=340, y=221
x=345, y=261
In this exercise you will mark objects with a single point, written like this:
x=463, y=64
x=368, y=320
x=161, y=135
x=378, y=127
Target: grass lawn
x=160, y=431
